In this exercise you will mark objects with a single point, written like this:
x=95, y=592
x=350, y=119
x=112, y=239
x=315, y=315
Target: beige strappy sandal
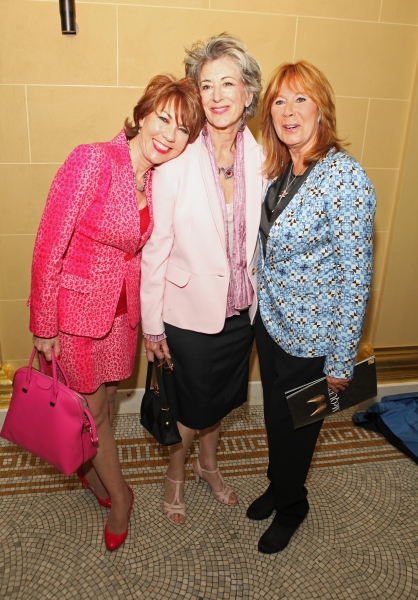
x=221, y=496
x=176, y=507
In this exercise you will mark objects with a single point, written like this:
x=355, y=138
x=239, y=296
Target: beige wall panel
x=14, y=143
x=141, y=56
x=380, y=248
x=254, y=124
x=254, y=366
x=361, y=59
x=398, y=324
x=139, y=374
x=96, y=114
x=16, y=339
x=400, y=11
x=24, y=189
x=371, y=316
x=15, y=263
x=384, y=182
x=16, y=364
x=34, y=50
x=175, y=3
x=385, y=133
x=398, y=321
x=355, y=9
x=351, y=123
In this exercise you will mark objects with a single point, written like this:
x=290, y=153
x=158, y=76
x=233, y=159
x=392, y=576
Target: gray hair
x=221, y=46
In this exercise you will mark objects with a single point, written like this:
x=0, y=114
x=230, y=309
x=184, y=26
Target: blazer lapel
x=253, y=191
x=211, y=191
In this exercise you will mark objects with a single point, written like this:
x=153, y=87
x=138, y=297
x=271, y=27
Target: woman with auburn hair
x=199, y=269
x=314, y=277
x=86, y=269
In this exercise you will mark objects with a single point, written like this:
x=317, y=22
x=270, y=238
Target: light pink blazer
x=185, y=272
x=88, y=242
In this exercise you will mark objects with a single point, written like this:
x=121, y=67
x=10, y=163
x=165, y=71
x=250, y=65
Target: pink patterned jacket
x=88, y=242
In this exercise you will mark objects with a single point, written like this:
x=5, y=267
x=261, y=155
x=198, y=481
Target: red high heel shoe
x=112, y=540
x=106, y=502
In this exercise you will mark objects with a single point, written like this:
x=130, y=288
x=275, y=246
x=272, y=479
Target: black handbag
x=156, y=416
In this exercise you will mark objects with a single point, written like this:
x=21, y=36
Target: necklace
x=144, y=180
x=289, y=183
x=228, y=172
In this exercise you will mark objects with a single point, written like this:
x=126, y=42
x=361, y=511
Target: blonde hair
x=222, y=46
x=301, y=74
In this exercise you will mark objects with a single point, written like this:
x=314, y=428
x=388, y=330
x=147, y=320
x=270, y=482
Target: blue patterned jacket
x=314, y=282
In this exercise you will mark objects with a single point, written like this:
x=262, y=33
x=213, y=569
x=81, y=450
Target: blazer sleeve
x=351, y=209
x=72, y=191
x=155, y=254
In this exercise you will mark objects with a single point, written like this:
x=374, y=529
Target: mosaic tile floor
x=359, y=541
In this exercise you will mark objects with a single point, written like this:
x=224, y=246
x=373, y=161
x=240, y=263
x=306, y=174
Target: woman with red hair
x=314, y=277
x=86, y=269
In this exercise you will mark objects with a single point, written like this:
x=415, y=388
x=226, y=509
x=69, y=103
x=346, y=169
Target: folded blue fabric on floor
x=396, y=417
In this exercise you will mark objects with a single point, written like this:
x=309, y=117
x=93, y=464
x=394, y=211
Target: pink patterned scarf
x=240, y=291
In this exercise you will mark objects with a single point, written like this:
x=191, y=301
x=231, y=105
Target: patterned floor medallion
x=359, y=540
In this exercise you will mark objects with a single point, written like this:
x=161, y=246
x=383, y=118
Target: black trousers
x=290, y=451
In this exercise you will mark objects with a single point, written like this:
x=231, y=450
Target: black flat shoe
x=276, y=537
x=262, y=507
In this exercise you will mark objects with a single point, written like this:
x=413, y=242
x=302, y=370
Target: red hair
x=166, y=89
x=313, y=82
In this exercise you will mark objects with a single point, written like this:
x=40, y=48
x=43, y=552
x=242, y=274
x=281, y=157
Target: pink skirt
x=89, y=362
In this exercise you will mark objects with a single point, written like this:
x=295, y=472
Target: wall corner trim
x=397, y=364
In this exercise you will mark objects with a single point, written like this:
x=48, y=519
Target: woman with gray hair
x=199, y=267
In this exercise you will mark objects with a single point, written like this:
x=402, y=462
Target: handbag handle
x=161, y=391
x=89, y=423
x=55, y=363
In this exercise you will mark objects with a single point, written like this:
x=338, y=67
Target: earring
x=244, y=116
x=319, y=119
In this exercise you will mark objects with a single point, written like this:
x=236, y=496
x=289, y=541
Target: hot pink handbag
x=49, y=419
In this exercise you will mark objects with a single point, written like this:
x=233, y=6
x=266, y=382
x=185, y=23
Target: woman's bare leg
x=89, y=471
x=209, y=438
x=111, y=389
x=106, y=462
x=175, y=469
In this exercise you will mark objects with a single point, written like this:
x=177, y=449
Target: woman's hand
x=337, y=384
x=158, y=349
x=45, y=345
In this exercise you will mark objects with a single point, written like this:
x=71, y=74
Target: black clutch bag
x=156, y=416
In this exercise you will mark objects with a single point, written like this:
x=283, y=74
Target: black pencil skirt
x=210, y=371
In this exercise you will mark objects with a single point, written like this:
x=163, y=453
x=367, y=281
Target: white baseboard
x=129, y=401
x=390, y=389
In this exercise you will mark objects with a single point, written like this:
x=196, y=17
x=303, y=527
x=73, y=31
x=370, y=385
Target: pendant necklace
x=285, y=192
x=228, y=172
x=142, y=188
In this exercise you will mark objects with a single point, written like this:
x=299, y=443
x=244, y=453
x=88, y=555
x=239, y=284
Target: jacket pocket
x=177, y=276
x=70, y=281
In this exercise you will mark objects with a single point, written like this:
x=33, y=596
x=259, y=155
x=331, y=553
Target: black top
x=271, y=207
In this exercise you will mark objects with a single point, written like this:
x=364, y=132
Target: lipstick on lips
x=161, y=148
x=219, y=110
